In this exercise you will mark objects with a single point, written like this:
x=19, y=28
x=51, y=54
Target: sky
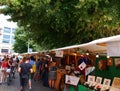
x=5, y=22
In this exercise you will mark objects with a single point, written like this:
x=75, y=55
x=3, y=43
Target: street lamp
x=28, y=46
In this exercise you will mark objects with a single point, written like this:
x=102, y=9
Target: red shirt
x=4, y=64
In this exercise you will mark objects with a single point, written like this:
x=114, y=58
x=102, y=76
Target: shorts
x=3, y=69
x=31, y=76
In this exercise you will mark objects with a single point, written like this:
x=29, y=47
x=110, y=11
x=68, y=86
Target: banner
x=113, y=49
x=72, y=80
x=59, y=53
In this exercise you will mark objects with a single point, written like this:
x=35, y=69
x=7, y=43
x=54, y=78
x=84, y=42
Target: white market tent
x=96, y=46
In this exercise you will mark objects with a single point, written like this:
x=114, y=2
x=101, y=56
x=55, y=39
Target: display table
x=80, y=88
x=83, y=88
x=71, y=88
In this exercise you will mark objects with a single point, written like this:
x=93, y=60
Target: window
x=4, y=50
x=13, y=37
x=6, y=36
x=12, y=41
x=5, y=41
x=13, y=30
x=7, y=30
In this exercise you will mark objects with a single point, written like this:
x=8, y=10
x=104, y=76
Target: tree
x=58, y=23
x=21, y=42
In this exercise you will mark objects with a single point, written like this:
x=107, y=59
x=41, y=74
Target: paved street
x=14, y=86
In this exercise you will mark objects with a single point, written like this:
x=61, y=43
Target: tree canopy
x=57, y=23
x=21, y=42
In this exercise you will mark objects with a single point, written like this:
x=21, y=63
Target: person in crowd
x=45, y=73
x=38, y=70
x=10, y=61
x=45, y=76
x=22, y=60
x=42, y=68
x=14, y=63
x=52, y=74
x=4, y=66
x=24, y=70
x=17, y=62
x=32, y=60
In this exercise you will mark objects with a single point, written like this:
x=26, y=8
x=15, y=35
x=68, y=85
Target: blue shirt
x=31, y=62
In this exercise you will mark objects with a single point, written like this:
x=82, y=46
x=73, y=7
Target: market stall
x=106, y=60
x=76, y=66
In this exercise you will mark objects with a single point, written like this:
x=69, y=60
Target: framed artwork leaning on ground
x=106, y=82
x=99, y=80
x=116, y=82
x=117, y=63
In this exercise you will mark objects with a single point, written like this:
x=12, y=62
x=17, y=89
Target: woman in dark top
x=45, y=75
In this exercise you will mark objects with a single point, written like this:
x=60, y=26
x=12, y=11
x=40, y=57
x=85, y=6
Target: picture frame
x=106, y=82
x=99, y=80
x=91, y=78
x=117, y=63
x=116, y=82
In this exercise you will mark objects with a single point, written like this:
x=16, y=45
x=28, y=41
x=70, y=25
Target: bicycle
x=9, y=76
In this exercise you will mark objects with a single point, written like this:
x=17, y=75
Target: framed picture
x=91, y=78
x=106, y=82
x=99, y=80
x=116, y=82
x=72, y=80
x=110, y=62
x=117, y=63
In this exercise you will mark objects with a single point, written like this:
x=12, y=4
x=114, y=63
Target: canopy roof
x=95, y=46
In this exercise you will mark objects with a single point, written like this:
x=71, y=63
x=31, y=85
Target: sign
x=30, y=50
x=113, y=49
x=82, y=65
x=72, y=80
x=59, y=53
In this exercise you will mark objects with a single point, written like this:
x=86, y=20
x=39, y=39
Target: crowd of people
x=8, y=65
x=28, y=69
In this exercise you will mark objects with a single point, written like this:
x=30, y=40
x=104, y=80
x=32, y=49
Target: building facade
x=7, y=38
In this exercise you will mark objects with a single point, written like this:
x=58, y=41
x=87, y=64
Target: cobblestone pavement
x=14, y=86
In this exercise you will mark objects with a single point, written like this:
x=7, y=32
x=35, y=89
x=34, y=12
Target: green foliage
x=57, y=23
x=21, y=41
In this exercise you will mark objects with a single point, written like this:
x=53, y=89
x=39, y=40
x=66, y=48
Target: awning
x=95, y=46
